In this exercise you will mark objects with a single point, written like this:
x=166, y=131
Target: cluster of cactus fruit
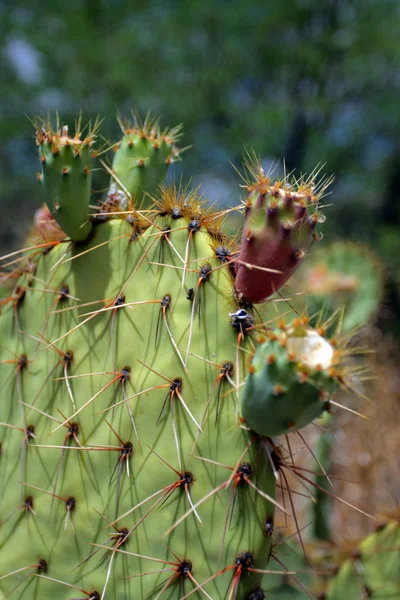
x=145, y=376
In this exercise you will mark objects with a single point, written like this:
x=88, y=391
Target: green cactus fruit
x=141, y=160
x=292, y=377
x=373, y=569
x=67, y=176
x=125, y=469
x=344, y=276
x=279, y=228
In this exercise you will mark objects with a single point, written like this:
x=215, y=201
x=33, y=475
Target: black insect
x=269, y=526
x=241, y=321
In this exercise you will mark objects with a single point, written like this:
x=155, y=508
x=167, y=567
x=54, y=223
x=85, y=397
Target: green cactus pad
x=142, y=159
x=341, y=276
x=373, y=570
x=67, y=178
x=292, y=376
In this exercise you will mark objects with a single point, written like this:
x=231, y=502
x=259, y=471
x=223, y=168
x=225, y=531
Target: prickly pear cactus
x=345, y=277
x=373, y=569
x=370, y=570
x=126, y=469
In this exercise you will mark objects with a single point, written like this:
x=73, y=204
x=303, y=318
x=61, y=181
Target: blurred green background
x=310, y=81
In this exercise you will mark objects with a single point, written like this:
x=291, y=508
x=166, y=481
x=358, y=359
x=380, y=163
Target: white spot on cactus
x=117, y=197
x=310, y=348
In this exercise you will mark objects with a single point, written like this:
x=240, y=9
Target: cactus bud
x=292, y=377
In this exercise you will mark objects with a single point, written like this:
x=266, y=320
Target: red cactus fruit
x=280, y=221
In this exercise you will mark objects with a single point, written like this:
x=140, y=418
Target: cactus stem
x=111, y=305
x=182, y=569
x=242, y=475
x=225, y=374
x=187, y=252
x=80, y=254
x=126, y=452
x=62, y=297
x=66, y=360
x=165, y=237
x=40, y=567
x=175, y=386
x=118, y=539
x=30, y=249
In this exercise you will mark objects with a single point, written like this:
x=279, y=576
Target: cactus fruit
x=280, y=223
x=126, y=468
x=292, y=377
